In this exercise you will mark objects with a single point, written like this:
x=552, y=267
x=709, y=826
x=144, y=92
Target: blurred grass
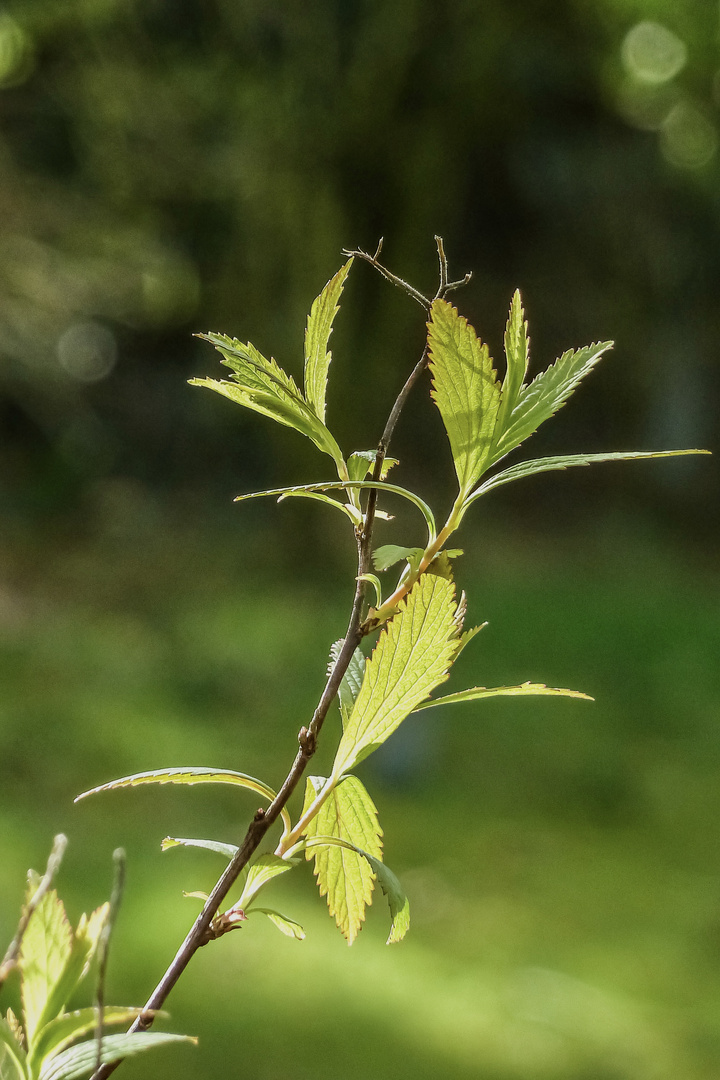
x=560, y=856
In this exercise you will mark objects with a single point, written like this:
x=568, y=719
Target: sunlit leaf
x=386, y=556
x=362, y=462
x=317, y=334
x=412, y=656
x=264, y=869
x=77, y=1061
x=465, y=390
x=517, y=353
x=391, y=887
x=345, y=485
x=344, y=875
x=547, y=393
x=524, y=690
x=351, y=680
x=13, y=1061
x=263, y=386
x=349, y=511
x=44, y=953
x=228, y=850
x=551, y=464
x=286, y=926
x=68, y=1027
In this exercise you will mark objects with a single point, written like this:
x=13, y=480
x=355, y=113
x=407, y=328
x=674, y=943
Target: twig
x=208, y=924
x=104, y=945
x=53, y=865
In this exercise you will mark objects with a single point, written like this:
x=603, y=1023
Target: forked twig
x=53, y=865
x=444, y=287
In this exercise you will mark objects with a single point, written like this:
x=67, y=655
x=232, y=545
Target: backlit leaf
x=228, y=850
x=317, y=334
x=44, y=953
x=264, y=869
x=465, y=390
x=386, y=556
x=77, y=1061
x=351, y=680
x=68, y=1027
x=517, y=354
x=344, y=875
x=362, y=462
x=552, y=464
x=391, y=887
x=286, y=926
x=412, y=656
x=547, y=393
x=524, y=690
x=13, y=1062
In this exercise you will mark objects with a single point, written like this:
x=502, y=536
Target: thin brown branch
x=208, y=924
x=53, y=865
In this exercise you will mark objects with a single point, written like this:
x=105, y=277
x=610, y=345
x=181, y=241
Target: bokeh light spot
x=16, y=52
x=688, y=138
x=87, y=351
x=653, y=54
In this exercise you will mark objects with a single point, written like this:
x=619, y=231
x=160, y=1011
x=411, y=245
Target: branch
x=208, y=924
x=53, y=865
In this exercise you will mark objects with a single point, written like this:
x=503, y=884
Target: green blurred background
x=172, y=166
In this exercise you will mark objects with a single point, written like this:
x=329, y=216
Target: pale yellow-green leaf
x=344, y=875
x=527, y=689
x=264, y=869
x=44, y=953
x=317, y=335
x=286, y=926
x=465, y=390
x=517, y=355
x=13, y=1061
x=412, y=656
x=68, y=1027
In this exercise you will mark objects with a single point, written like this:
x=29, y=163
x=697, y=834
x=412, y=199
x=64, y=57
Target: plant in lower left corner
x=48, y=1041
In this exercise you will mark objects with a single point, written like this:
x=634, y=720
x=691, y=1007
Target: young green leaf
x=263, y=386
x=13, y=1062
x=343, y=875
x=465, y=390
x=386, y=556
x=517, y=354
x=551, y=464
x=547, y=393
x=524, y=690
x=361, y=463
x=412, y=656
x=44, y=954
x=286, y=926
x=77, y=1061
x=351, y=680
x=228, y=850
x=391, y=887
x=348, y=510
x=345, y=485
x=317, y=335
x=264, y=869
x=68, y=1027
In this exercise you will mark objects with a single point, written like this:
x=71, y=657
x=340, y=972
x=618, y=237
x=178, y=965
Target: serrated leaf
x=11, y=1054
x=391, y=887
x=191, y=775
x=362, y=462
x=465, y=390
x=77, y=1061
x=228, y=850
x=524, y=690
x=317, y=334
x=517, y=355
x=412, y=656
x=345, y=485
x=568, y=461
x=286, y=926
x=264, y=869
x=68, y=1027
x=263, y=386
x=385, y=557
x=547, y=393
x=351, y=680
x=343, y=875
x=44, y=953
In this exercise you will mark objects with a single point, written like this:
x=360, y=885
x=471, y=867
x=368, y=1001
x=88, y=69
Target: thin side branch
x=53, y=865
x=208, y=924
x=104, y=945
